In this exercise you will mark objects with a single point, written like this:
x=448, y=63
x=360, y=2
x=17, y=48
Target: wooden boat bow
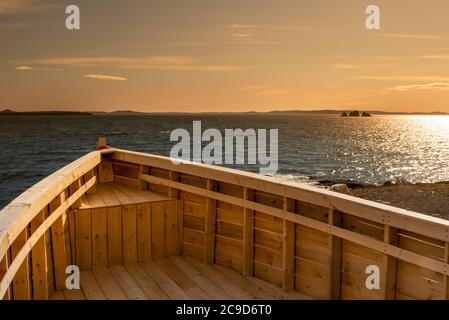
x=127, y=218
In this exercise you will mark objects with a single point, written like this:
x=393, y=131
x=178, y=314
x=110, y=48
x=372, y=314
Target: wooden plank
x=229, y=230
x=418, y=282
x=67, y=239
x=99, y=238
x=108, y=284
x=201, y=280
x=230, y=189
x=421, y=245
x=267, y=222
x=248, y=236
x=270, y=256
x=90, y=286
x=172, y=192
x=89, y=175
x=194, y=223
x=210, y=225
x=229, y=213
x=180, y=208
x=72, y=189
x=182, y=280
x=39, y=261
x=190, y=250
x=170, y=288
x=84, y=239
x=143, y=185
x=128, y=284
x=194, y=209
x=228, y=252
x=21, y=283
x=115, y=243
x=277, y=292
x=312, y=278
x=446, y=278
x=58, y=295
x=234, y=291
x=108, y=196
x=390, y=264
x=243, y=282
x=129, y=219
x=288, y=252
x=75, y=294
x=105, y=172
x=157, y=230
x=4, y=264
x=49, y=253
x=363, y=226
x=143, y=232
x=58, y=243
x=335, y=258
x=171, y=228
x=146, y=283
x=268, y=273
x=268, y=239
x=194, y=237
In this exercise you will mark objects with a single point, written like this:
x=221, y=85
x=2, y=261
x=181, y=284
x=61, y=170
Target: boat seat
x=115, y=194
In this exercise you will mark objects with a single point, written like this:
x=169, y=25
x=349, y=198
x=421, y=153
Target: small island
x=356, y=113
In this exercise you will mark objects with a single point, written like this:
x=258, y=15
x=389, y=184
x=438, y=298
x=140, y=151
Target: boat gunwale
x=19, y=213
x=377, y=212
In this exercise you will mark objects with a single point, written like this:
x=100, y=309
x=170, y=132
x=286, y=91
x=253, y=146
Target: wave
x=295, y=179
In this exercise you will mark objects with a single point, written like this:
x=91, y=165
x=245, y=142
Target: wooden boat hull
x=116, y=213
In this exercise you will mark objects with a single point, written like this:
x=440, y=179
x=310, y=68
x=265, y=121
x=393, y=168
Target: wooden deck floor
x=115, y=194
x=177, y=278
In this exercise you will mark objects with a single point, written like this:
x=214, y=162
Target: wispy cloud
x=239, y=26
x=268, y=26
x=241, y=31
x=436, y=57
x=403, y=78
x=242, y=36
x=83, y=61
x=439, y=86
x=24, y=68
x=104, y=77
x=179, y=63
x=412, y=36
x=345, y=66
x=387, y=58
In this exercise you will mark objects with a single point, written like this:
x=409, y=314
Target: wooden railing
x=297, y=236
x=34, y=231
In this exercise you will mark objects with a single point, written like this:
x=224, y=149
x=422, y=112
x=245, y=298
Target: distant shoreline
x=136, y=113
x=44, y=113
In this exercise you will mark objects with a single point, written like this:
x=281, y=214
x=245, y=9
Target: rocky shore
x=427, y=198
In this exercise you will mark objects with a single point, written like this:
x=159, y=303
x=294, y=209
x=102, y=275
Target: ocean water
x=311, y=148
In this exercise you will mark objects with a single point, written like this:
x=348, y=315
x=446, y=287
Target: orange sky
x=203, y=55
